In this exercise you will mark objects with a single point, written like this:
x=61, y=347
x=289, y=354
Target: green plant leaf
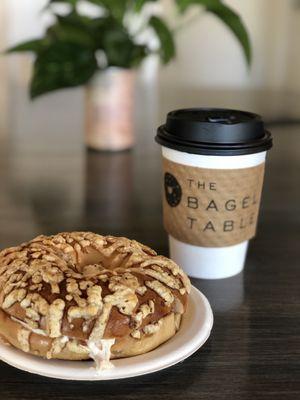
x=167, y=45
x=139, y=52
x=74, y=29
x=139, y=4
x=230, y=18
x=116, y=8
x=183, y=5
x=118, y=47
x=72, y=2
x=74, y=19
x=31, y=45
x=61, y=65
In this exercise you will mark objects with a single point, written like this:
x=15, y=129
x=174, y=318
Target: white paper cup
x=209, y=261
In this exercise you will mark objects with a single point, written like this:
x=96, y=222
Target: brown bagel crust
x=59, y=293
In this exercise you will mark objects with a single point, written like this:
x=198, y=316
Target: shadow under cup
x=213, y=164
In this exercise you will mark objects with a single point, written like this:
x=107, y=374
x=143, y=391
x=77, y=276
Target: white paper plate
x=194, y=331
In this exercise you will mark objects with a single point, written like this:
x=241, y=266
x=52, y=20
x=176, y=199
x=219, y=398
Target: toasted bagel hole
x=91, y=256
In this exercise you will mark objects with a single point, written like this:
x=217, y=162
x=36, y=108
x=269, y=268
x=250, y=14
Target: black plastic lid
x=214, y=131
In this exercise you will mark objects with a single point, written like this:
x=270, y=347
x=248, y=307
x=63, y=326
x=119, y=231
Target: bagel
x=79, y=295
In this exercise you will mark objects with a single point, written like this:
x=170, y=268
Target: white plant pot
x=110, y=110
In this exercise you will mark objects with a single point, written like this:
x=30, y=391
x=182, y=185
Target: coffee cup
x=213, y=170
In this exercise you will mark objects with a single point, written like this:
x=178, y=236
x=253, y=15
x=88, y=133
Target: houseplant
x=102, y=53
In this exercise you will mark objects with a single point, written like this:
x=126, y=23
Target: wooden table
x=49, y=183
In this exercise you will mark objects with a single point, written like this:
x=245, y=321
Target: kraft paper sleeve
x=211, y=207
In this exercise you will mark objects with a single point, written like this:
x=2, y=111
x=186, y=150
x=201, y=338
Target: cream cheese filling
x=100, y=352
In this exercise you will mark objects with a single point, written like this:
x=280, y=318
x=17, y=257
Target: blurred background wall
x=3, y=67
x=214, y=59
x=208, y=56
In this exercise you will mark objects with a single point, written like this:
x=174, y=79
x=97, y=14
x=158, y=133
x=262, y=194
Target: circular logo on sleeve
x=172, y=190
